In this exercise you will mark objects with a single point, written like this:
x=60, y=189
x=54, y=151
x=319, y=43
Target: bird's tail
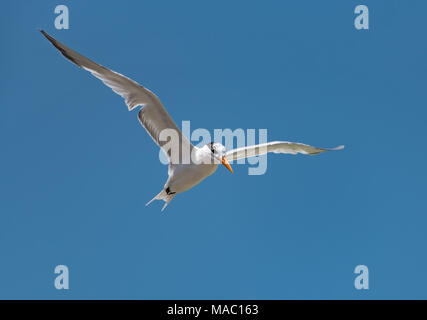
x=163, y=196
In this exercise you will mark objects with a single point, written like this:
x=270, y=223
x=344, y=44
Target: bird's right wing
x=275, y=147
x=153, y=115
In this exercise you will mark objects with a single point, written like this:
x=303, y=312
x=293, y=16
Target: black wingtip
x=45, y=34
x=58, y=45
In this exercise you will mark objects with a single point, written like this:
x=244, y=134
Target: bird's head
x=218, y=153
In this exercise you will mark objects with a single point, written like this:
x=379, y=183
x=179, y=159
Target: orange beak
x=226, y=164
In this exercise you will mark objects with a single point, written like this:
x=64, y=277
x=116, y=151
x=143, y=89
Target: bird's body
x=184, y=176
x=188, y=164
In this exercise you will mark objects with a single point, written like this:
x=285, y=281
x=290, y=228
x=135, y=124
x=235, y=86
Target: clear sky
x=76, y=168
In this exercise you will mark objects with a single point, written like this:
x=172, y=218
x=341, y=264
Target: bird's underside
x=155, y=119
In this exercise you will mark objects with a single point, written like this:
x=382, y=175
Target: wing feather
x=153, y=115
x=275, y=147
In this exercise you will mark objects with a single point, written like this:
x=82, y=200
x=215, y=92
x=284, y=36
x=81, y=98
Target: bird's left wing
x=153, y=116
x=275, y=147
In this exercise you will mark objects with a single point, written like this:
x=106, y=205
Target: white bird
x=186, y=169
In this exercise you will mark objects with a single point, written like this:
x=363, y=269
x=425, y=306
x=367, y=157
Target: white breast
x=185, y=176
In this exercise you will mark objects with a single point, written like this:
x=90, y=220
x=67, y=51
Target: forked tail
x=163, y=196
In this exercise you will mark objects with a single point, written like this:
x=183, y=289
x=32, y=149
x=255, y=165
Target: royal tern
x=189, y=165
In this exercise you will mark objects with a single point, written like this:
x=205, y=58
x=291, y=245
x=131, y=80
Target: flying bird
x=190, y=164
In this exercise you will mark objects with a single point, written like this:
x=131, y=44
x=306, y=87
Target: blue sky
x=76, y=167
